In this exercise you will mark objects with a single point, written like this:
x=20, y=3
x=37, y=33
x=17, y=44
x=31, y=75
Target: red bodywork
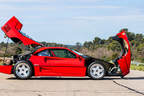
x=7, y=69
x=52, y=65
x=57, y=66
x=12, y=30
x=125, y=61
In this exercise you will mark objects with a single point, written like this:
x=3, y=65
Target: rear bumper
x=7, y=69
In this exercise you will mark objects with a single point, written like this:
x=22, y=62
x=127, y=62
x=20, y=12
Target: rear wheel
x=96, y=70
x=23, y=70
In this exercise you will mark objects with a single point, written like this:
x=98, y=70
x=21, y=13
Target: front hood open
x=124, y=60
x=12, y=30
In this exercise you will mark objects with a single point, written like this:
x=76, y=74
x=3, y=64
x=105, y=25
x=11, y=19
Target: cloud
x=47, y=1
x=11, y=8
x=25, y=1
x=101, y=7
x=119, y=18
x=85, y=0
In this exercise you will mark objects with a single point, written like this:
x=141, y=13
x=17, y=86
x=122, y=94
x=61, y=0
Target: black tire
x=122, y=77
x=22, y=70
x=101, y=70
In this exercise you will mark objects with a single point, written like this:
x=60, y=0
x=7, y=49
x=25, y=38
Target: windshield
x=79, y=53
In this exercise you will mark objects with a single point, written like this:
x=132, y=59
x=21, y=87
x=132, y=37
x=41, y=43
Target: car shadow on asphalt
x=52, y=78
x=79, y=78
x=127, y=78
x=134, y=78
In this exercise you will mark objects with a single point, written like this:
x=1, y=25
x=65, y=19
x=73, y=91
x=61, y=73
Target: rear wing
x=12, y=29
x=13, y=23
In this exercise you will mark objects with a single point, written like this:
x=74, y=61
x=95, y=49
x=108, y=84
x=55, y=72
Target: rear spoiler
x=12, y=23
x=12, y=29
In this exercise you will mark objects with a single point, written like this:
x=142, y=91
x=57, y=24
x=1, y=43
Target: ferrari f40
x=60, y=61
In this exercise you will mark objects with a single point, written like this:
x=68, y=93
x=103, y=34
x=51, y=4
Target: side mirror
x=80, y=58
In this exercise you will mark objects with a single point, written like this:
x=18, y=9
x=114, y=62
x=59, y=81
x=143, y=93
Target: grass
x=137, y=67
x=1, y=63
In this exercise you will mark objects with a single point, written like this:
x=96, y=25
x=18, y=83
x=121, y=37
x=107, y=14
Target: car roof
x=44, y=48
x=53, y=48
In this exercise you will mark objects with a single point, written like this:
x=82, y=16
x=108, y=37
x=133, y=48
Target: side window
x=62, y=53
x=44, y=53
x=70, y=54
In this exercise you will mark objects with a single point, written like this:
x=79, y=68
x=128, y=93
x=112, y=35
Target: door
x=42, y=66
x=65, y=63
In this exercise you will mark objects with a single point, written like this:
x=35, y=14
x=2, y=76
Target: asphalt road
x=131, y=85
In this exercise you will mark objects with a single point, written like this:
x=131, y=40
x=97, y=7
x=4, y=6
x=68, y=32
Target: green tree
x=96, y=41
x=88, y=44
x=78, y=45
x=130, y=35
x=114, y=46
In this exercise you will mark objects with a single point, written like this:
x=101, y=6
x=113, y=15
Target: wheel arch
x=33, y=72
x=106, y=64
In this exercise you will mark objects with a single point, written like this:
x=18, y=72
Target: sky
x=71, y=21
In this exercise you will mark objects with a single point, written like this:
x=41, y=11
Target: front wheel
x=23, y=70
x=96, y=70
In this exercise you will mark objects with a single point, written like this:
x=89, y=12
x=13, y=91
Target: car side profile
x=60, y=61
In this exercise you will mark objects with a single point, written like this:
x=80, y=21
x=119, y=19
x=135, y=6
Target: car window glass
x=63, y=53
x=44, y=53
x=70, y=54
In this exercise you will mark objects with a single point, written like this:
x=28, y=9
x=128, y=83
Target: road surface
x=131, y=85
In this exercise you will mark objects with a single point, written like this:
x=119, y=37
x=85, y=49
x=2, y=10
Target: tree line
x=109, y=49
x=106, y=49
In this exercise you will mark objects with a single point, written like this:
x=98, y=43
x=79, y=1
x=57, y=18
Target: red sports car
x=60, y=61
